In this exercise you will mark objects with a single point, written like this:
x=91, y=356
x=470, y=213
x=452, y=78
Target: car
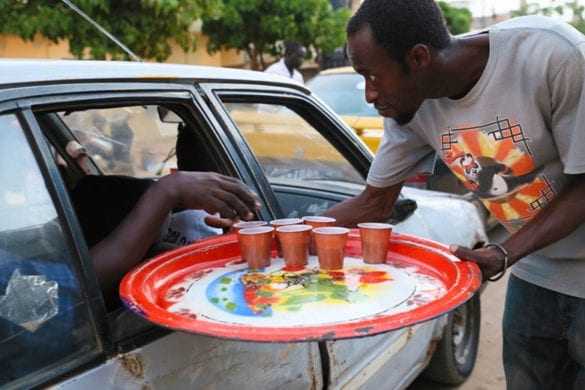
x=56, y=325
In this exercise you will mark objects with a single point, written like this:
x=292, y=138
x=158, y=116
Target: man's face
x=388, y=86
x=296, y=57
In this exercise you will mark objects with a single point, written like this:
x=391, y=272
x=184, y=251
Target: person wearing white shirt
x=294, y=54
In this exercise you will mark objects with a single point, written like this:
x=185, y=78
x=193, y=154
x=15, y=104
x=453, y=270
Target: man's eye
x=372, y=78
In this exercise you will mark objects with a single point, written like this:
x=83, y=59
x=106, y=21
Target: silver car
x=145, y=120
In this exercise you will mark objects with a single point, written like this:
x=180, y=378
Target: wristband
x=503, y=271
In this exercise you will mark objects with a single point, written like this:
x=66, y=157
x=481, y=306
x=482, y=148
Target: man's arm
x=556, y=221
x=373, y=204
x=126, y=246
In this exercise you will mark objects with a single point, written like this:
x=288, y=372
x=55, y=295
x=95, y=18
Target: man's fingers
x=235, y=203
x=218, y=222
x=242, y=192
x=462, y=252
x=216, y=204
x=468, y=254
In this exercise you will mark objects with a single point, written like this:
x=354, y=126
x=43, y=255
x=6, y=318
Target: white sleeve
x=568, y=112
x=400, y=151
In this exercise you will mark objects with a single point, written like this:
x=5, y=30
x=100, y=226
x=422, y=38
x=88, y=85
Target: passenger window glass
x=135, y=141
x=288, y=147
x=44, y=320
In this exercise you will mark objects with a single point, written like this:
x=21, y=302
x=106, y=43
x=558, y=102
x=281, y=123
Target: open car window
x=131, y=146
x=44, y=317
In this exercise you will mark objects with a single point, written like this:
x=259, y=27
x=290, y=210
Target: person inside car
x=123, y=217
x=504, y=108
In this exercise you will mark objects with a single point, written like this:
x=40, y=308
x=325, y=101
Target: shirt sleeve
x=568, y=112
x=398, y=157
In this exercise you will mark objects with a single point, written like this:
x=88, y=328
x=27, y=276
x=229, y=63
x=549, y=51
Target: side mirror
x=403, y=208
x=167, y=116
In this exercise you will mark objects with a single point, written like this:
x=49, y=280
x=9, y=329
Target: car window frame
x=316, y=114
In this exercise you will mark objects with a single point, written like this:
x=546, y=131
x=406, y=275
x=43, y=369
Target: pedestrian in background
x=289, y=65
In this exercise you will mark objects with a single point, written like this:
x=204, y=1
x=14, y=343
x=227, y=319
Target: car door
x=310, y=163
x=51, y=317
x=137, y=354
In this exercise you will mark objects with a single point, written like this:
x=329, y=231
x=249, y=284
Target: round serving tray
x=206, y=288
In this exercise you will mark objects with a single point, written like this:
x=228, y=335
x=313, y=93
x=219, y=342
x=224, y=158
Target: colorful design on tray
x=259, y=294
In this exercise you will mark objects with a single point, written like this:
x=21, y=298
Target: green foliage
x=577, y=11
x=145, y=26
x=458, y=19
x=259, y=26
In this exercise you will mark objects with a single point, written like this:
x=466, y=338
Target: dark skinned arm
x=556, y=221
x=126, y=246
x=373, y=204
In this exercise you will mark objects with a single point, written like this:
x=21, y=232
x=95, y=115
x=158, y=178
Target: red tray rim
x=466, y=283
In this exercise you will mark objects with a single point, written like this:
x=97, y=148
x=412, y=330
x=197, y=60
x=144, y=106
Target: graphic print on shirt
x=494, y=161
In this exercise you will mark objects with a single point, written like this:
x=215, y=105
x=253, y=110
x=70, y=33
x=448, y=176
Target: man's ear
x=419, y=57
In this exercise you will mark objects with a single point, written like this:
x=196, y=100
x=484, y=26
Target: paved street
x=489, y=372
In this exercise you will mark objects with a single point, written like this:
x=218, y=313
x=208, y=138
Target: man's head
x=294, y=54
x=392, y=43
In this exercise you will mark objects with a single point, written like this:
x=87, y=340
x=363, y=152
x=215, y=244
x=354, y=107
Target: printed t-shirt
x=511, y=139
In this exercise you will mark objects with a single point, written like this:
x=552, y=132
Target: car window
x=44, y=320
x=301, y=165
x=344, y=93
x=288, y=147
x=130, y=140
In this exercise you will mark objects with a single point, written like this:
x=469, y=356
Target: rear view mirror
x=167, y=116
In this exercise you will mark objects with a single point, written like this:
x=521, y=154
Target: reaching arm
x=556, y=221
x=126, y=246
x=373, y=204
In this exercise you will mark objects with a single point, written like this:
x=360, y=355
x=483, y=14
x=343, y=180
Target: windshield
x=343, y=92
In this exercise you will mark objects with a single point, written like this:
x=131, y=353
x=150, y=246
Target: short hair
x=292, y=47
x=398, y=25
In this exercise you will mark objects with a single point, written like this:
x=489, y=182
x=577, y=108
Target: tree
x=577, y=12
x=258, y=27
x=458, y=19
x=145, y=26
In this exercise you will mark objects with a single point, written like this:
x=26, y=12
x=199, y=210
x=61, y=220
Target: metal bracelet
x=501, y=274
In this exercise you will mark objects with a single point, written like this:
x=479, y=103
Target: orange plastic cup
x=247, y=224
x=375, y=239
x=317, y=221
x=294, y=241
x=256, y=245
x=283, y=222
x=330, y=244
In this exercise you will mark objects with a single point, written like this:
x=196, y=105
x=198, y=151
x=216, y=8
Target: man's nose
x=371, y=93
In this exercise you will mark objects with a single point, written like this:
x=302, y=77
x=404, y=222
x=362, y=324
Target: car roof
x=23, y=71
x=340, y=70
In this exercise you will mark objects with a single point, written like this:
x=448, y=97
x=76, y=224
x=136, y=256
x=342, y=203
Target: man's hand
x=218, y=222
x=490, y=259
x=211, y=192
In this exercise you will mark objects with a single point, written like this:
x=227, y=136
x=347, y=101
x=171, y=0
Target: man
x=294, y=55
x=122, y=217
x=505, y=110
